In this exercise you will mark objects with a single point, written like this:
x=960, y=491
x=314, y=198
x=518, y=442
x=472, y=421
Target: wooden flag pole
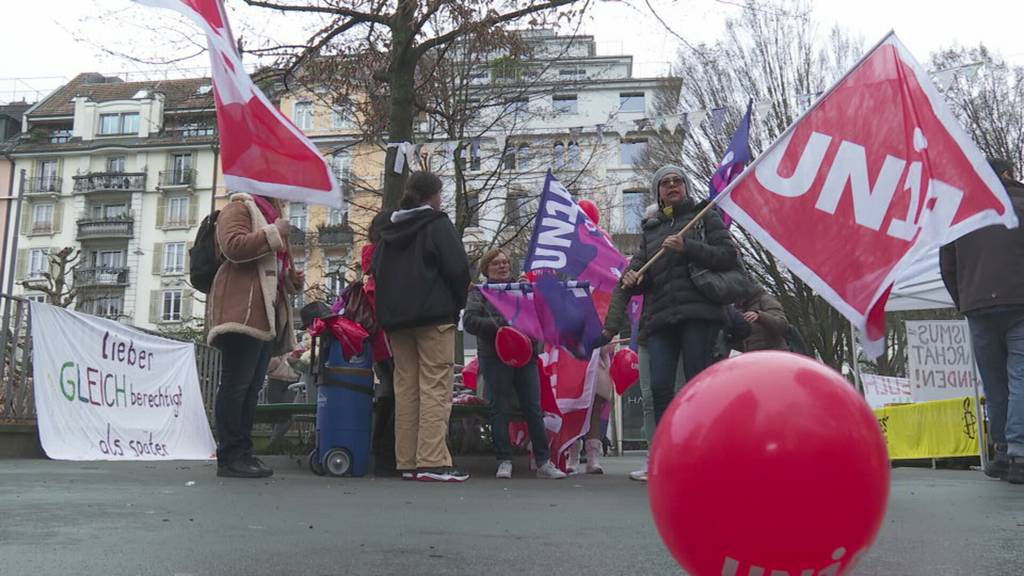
x=689, y=225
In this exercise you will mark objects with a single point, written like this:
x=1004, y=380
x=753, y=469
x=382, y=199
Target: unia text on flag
x=733, y=161
x=873, y=176
x=261, y=151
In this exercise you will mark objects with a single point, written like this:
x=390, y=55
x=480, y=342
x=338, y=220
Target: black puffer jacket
x=669, y=295
x=421, y=271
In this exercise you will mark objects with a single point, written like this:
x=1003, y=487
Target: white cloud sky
x=41, y=51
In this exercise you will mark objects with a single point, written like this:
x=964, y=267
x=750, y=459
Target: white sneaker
x=504, y=469
x=639, y=475
x=549, y=471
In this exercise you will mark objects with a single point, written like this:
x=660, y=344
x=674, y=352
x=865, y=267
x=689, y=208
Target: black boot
x=1015, y=473
x=999, y=467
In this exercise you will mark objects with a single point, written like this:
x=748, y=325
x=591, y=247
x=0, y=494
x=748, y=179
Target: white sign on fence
x=105, y=391
x=880, y=391
x=940, y=361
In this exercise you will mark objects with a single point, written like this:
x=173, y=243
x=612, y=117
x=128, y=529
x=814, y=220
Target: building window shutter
x=186, y=304
x=158, y=258
x=161, y=212
x=26, y=218
x=154, y=306
x=58, y=217
x=22, y=269
x=193, y=211
x=188, y=250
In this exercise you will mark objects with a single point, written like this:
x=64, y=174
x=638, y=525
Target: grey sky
x=40, y=49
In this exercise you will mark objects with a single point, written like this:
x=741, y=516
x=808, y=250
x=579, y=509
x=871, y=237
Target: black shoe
x=998, y=467
x=449, y=474
x=1015, y=473
x=240, y=468
x=264, y=469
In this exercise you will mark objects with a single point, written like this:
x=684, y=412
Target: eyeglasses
x=667, y=182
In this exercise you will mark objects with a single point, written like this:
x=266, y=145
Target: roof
x=14, y=110
x=178, y=94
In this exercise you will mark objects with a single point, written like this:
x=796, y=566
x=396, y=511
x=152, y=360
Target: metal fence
x=17, y=402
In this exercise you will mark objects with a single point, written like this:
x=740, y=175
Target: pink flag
x=875, y=175
x=262, y=152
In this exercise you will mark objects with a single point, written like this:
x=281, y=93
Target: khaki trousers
x=423, y=395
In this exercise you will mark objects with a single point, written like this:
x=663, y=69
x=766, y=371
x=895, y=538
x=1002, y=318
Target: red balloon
x=470, y=373
x=768, y=463
x=514, y=348
x=590, y=208
x=625, y=370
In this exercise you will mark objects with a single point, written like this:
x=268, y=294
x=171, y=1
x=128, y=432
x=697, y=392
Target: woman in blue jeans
x=678, y=321
x=504, y=382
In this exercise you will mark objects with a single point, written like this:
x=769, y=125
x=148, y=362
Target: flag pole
x=689, y=225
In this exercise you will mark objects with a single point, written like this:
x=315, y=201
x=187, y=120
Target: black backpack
x=204, y=261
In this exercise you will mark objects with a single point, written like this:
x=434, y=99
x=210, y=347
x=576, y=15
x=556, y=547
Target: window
x=573, y=160
x=520, y=106
x=632, y=102
x=109, y=211
x=632, y=150
x=565, y=104
x=523, y=157
x=510, y=158
x=181, y=168
x=335, y=277
x=48, y=180
x=41, y=298
x=558, y=158
x=471, y=156
x=174, y=258
x=42, y=218
x=60, y=136
x=38, y=262
x=340, y=118
x=297, y=215
x=170, y=310
x=108, y=259
x=473, y=208
x=177, y=211
x=572, y=74
x=633, y=210
x=115, y=164
x=517, y=207
x=108, y=306
x=341, y=162
x=119, y=123
x=304, y=115
x=337, y=216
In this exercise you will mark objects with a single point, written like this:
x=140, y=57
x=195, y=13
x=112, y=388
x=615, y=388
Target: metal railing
x=42, y=185
x=177, y=177
x=89, y=277
x=106, y=228
x=17, y=401
x=110, y=181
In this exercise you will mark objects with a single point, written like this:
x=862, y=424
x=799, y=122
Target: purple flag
x=737, y=155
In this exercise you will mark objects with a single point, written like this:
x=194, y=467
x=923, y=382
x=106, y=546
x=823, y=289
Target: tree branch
x=488, y=22
x=361, y=17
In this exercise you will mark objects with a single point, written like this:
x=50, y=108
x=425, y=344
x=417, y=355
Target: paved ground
x=137, y=519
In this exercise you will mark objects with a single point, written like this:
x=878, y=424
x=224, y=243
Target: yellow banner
x=937, y=429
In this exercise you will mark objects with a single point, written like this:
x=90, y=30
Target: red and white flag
x=262, y=152
x=872, y=177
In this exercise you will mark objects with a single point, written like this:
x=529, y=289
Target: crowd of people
x=417, y=282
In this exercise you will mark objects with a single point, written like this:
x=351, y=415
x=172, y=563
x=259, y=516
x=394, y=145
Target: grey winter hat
x=666, y=170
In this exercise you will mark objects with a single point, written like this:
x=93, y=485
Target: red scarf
x=271, y=214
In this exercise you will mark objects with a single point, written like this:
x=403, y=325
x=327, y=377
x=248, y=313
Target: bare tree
x=58, y=282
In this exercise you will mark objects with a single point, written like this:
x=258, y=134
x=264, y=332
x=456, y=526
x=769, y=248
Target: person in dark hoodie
x=422, y=276
x=984, y=274
x=677, y=319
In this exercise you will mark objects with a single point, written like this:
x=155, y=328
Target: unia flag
x=877, y=173
x=261, y=151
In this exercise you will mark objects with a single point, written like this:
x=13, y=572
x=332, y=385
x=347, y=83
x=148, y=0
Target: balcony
x=103, y=228
x=297, y=237
x=335, y=235
x=177, y=179
x=110, y=182
x=43, y=185
x=628, y=243
x=101, y=277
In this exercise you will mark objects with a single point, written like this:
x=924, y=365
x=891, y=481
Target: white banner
x=881, y=391
x=940, y=360
x=105, y=391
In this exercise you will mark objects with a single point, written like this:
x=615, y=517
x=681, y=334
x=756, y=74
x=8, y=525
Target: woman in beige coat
x=249, y=321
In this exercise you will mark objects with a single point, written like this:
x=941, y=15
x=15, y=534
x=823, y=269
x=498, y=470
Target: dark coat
x=986, y=267
x=670, y=298
x=769, y=331
x=421, y=271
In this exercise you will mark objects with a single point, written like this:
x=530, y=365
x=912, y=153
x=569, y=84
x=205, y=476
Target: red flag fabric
x=872, y=177
x=262, y=152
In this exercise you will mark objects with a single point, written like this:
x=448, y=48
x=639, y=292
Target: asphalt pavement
x=178, y=518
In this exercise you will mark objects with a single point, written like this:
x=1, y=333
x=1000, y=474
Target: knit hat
x=664, y=171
